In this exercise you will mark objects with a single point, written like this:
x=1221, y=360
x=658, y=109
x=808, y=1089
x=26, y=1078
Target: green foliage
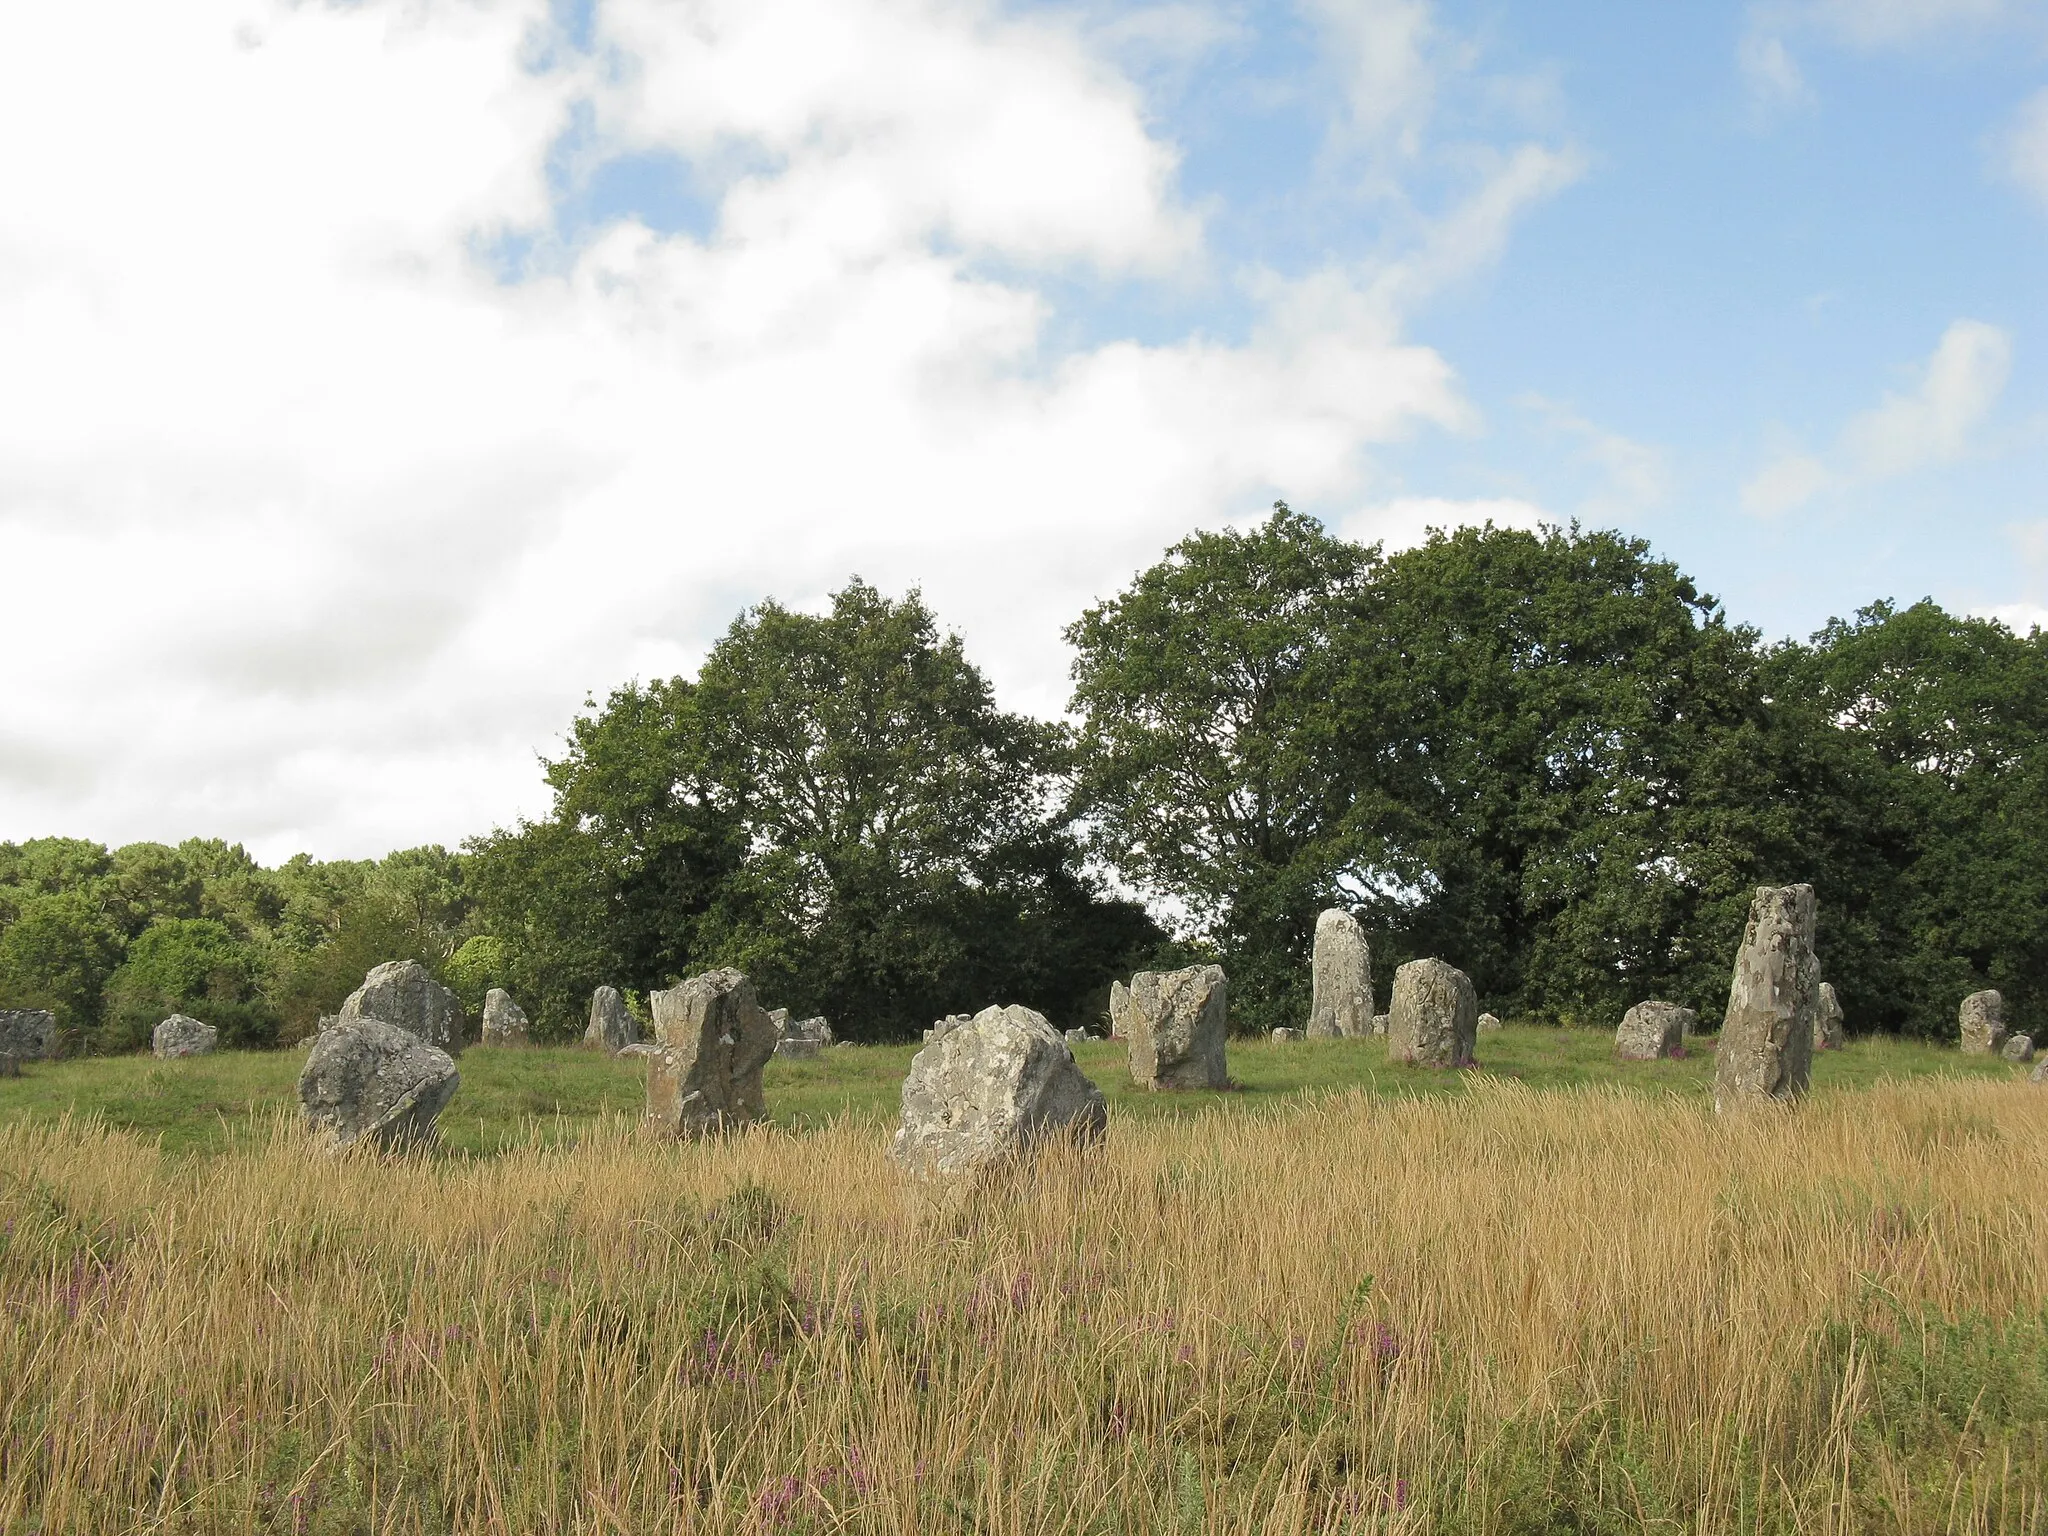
x=57, y=953
x=190, y=965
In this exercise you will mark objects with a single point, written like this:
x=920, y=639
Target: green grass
x=509, y=1097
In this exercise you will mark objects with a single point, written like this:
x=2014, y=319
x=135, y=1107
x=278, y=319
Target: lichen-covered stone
x=1765, y=1053
x=1283, y=1035
x=1981, y=1023
x=180, y=1035
x=2018, y=1048
x=1379, y=1025
x=1489, y=1024
x=714, y=1039
x=1078, y=1037
x=1829, y=1033
x=28, y=1034
x=1652, y=1031
x=1340, y=1004
x=1433, y=1018
x=402, y=994
x=946, y=1026
x=991, y=1089
x=1119, y=1011
x=802, y=1039
x=505, y=1022
x=612, y=1026
x=372, y=1083
x=1176, y=1023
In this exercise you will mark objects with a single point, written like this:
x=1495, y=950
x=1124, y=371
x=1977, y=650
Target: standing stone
x=947, y=1025
x=1433, y=1019
x=504, y=1020
x=1119, y=1011
x=28, y=1034
x=182, y=1036
x=990, y=1089
x=714, y=1039
x=2018, y=1048
x=1828, y=1033
x=1341, y=978
x=1766, y=1047
x=1078, y=1036
x=612, y=1027
x=1652, y=1031
x=2040, y=1072
x=1176, y=1022
x=1284, y=1036
x=373, y=1083
x=803, y=1039
x=1379, y=1024
x=1488, y=1024
x=1982, y=1021
x=401, y=993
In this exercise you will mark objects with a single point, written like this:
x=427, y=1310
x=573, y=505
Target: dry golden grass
x=1511, y=1311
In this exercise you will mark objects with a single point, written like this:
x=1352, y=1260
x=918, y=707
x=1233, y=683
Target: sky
x=379, y=381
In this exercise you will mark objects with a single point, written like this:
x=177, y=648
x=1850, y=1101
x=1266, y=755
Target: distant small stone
x=991, y=1089
x=2018, y=1048
x=1981, y=1023
x=1177, y=1021
x=947, y=1025
x=797, y=1050
x=1488, y=1024
x=373, y=1083
x=505, y=1021
x=1434, y=1017
x=612, y=1025
x=1654, y=1031
x=639, y=1048
x=182, y=1036
x=1078, y=1036
x=1828, y=1031
x=1379, y=1024
x=402, y=994
x=1283, y=1035
x=1119, y=1010
x=803, y=1039
x=28, y=1034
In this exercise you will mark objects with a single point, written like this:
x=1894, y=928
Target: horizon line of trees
x=1546, y=757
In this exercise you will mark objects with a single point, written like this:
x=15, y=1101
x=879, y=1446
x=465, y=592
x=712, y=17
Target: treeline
x=1548, y=758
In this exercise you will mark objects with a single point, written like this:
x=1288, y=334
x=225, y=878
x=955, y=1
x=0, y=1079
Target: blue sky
x=384, y=378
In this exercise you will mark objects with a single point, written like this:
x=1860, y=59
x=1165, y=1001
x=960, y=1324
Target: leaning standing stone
x=401, y=993
x=612, y=1028
x=1177, y=1021
x=1828, y=1034
x=1766, y=1047
x=2018, y=1048
x=504, y=1020
x=375, y=1084
x=714, y=1038
x=28, y=1034
x=182, y=1036
x=1982, y=1023
x=991, y=1089
x=1433, y=1019
x=1341, y=972
x=1652, y=1031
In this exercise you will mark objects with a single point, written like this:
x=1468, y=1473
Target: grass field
x=508, y=1096
x=1492, y=1307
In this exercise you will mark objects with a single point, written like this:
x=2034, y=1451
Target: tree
x=190, y=965
x=1230, y=749
x=57, y=953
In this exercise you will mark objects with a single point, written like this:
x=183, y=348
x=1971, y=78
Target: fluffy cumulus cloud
x=322, y=509
x=1931, y=424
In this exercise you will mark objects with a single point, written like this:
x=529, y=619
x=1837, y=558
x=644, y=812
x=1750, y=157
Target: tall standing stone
x=990, y=1089
x=180, y=1035
x=1177, y=1021
x=505, y=1022
x=1982, y=1023
x=1828, y=1032
x=1433, y=1019
x=402, y=994
x=1653, y=1030
x=373, y=1083
x=612, y=1027
x=1341, y=979
x=713, y=1037
x=1766, y=1047
x=1119, y=1011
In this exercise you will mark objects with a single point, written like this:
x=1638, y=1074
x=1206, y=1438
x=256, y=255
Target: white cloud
x=2025, y=147
x=1380, y=50
x=1407, y=521
x=1891, y=23
x=315, y=529
x=1931, y=425
x=1773, y=77
x=1636, y=473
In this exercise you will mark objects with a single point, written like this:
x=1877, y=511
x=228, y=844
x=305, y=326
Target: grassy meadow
x=1552, y=1296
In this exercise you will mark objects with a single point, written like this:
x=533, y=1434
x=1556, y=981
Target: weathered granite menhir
x=1433, y=1020
x=505, y=1022
x=403, y=994
x=1340, y=1004
x=181, y=1035
x=1765, y=1053
x=1176, y=1022
x=714, y=1038
x=801, y=1039
x=612, y=1026
x=1981, y=1023
x=1652, y=1030
x=28, y=1034
x=372, y=1084
x=1829, y=1032
x=990, y=1089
